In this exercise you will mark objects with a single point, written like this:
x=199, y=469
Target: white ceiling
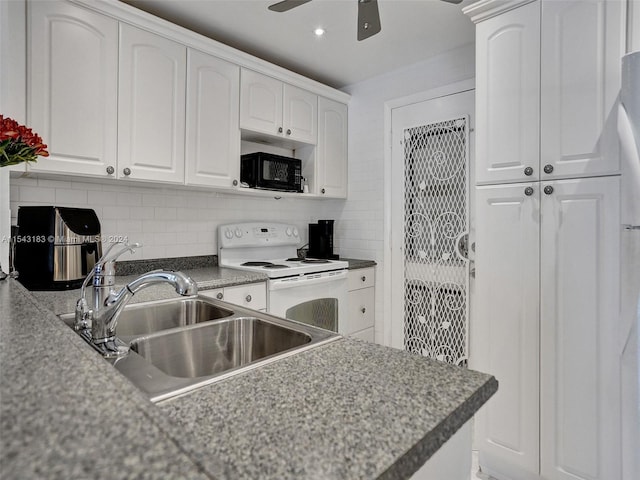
x=412, y=31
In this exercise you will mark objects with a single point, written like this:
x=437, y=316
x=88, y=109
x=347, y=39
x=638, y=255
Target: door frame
x=389, y=106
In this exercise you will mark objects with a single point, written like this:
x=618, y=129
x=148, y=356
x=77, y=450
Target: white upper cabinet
x=508, y=96
x=151, y=103
x=581, y=44
x=331, y=153
x=548, y=76
x=73, y=87
x=213, y=134
x=275, y=108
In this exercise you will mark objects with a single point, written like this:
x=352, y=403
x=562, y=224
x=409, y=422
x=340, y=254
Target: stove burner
x=256, y=264
x=315, y=260
x=275, y=266
x=294, y=259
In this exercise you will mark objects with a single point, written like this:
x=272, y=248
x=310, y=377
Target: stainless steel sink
x=218, y=347
x=179, y=345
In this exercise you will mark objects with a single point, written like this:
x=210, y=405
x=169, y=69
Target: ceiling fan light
x=319, y=31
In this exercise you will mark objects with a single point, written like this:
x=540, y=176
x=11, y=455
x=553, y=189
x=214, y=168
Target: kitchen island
x=347, y=409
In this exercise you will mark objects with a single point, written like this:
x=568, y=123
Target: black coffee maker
x=321, y=240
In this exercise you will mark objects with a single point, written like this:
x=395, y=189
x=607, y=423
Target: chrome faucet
x=98, y=317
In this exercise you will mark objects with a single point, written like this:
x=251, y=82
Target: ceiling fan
x=368, y=15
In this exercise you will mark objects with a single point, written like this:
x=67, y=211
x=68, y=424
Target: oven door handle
x=326, y=277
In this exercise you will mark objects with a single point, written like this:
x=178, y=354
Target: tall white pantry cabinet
x=547, y=241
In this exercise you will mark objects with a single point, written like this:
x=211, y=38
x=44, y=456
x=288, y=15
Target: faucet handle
x=83, y=314
x=105, y=265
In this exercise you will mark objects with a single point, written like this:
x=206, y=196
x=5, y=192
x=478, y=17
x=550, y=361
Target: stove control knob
x=238, y=233
x=295, y=232
x=228, y=234
x=288, y=231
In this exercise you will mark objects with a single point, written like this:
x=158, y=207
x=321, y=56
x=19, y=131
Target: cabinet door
x=581, y=46
x=253, y=295
x=361, y=311
x=505, y=327
x=508, y=96
x=579, y=364
x=260, y=103
x=73, y=64
x=213, y=135
x=331, y=152
x=151, y=102
x=300, y=115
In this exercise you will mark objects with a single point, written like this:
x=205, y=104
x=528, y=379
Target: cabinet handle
x=248, y=298
x=548, y=189
x=279, y=129
x=235, y=183
x=126, y=171
x=322, y=190
x=528, y=171
x=110, y=170
x=528, y=191
x=288, y=131
x=548, y=168
x=363, y=310
x=220, y=296
x=363, y=278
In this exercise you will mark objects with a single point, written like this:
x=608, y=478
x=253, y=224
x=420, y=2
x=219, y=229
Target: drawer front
x=368, y=335
x=216, y=293
x=253, y=295
x=362, y=278
x=361, y=311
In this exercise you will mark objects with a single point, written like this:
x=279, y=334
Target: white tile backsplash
x=169, y=221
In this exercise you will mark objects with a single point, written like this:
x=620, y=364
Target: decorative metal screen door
x=431, y=188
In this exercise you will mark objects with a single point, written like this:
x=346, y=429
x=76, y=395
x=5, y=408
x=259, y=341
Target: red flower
x=19, y=143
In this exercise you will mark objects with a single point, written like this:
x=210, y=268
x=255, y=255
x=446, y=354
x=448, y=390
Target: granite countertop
x=347, y=409
x=355, y=264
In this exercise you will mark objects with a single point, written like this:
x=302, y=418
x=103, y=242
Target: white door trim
x=389, y=105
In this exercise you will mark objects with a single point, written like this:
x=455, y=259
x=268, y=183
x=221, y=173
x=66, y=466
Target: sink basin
x=218, y=347
x=144, y=318
x=181, y=344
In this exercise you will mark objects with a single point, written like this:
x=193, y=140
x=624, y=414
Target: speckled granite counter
x=355, y=264
x=344, y=410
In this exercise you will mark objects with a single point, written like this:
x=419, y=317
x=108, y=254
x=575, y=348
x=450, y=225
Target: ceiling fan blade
x=287, y=5
x=453, y=1
x=368, y=19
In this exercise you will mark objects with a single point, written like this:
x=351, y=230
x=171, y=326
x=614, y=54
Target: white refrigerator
x=629, y=131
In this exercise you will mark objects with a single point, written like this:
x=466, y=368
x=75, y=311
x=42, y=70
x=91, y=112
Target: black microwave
x=271, y=172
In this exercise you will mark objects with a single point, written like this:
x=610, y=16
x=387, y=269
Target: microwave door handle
x=284, y=284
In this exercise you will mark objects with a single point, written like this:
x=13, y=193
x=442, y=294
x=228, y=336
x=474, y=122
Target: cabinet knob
x=110, y=170
x=548, y=189
x=363, y=310
x=235, y=183
x=528, y=191
x=220, y=296
x=548, y=168
x=279, y=129
x=322, y=190
x=363, y=278
x=288, y=131
x=528, y=171
x=248, y=298
x=126, y=171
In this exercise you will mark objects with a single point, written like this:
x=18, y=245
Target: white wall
x=170, y=222
x=361, y=217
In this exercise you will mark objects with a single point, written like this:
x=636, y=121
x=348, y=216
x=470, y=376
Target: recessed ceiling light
x=319, y=31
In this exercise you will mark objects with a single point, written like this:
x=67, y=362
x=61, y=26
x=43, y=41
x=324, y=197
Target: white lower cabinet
x=250, y=295
x=545, y=325
x=360, y=319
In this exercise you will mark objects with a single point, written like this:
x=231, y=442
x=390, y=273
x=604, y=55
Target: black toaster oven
x=271, y=172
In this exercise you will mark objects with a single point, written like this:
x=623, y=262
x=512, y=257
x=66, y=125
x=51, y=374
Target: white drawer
x=361, y=311
x=252, y=295
x=361, y=278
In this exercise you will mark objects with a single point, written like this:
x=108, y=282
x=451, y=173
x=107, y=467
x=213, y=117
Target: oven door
x=318, y=299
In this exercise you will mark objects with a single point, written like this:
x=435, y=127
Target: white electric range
x=312, y=291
